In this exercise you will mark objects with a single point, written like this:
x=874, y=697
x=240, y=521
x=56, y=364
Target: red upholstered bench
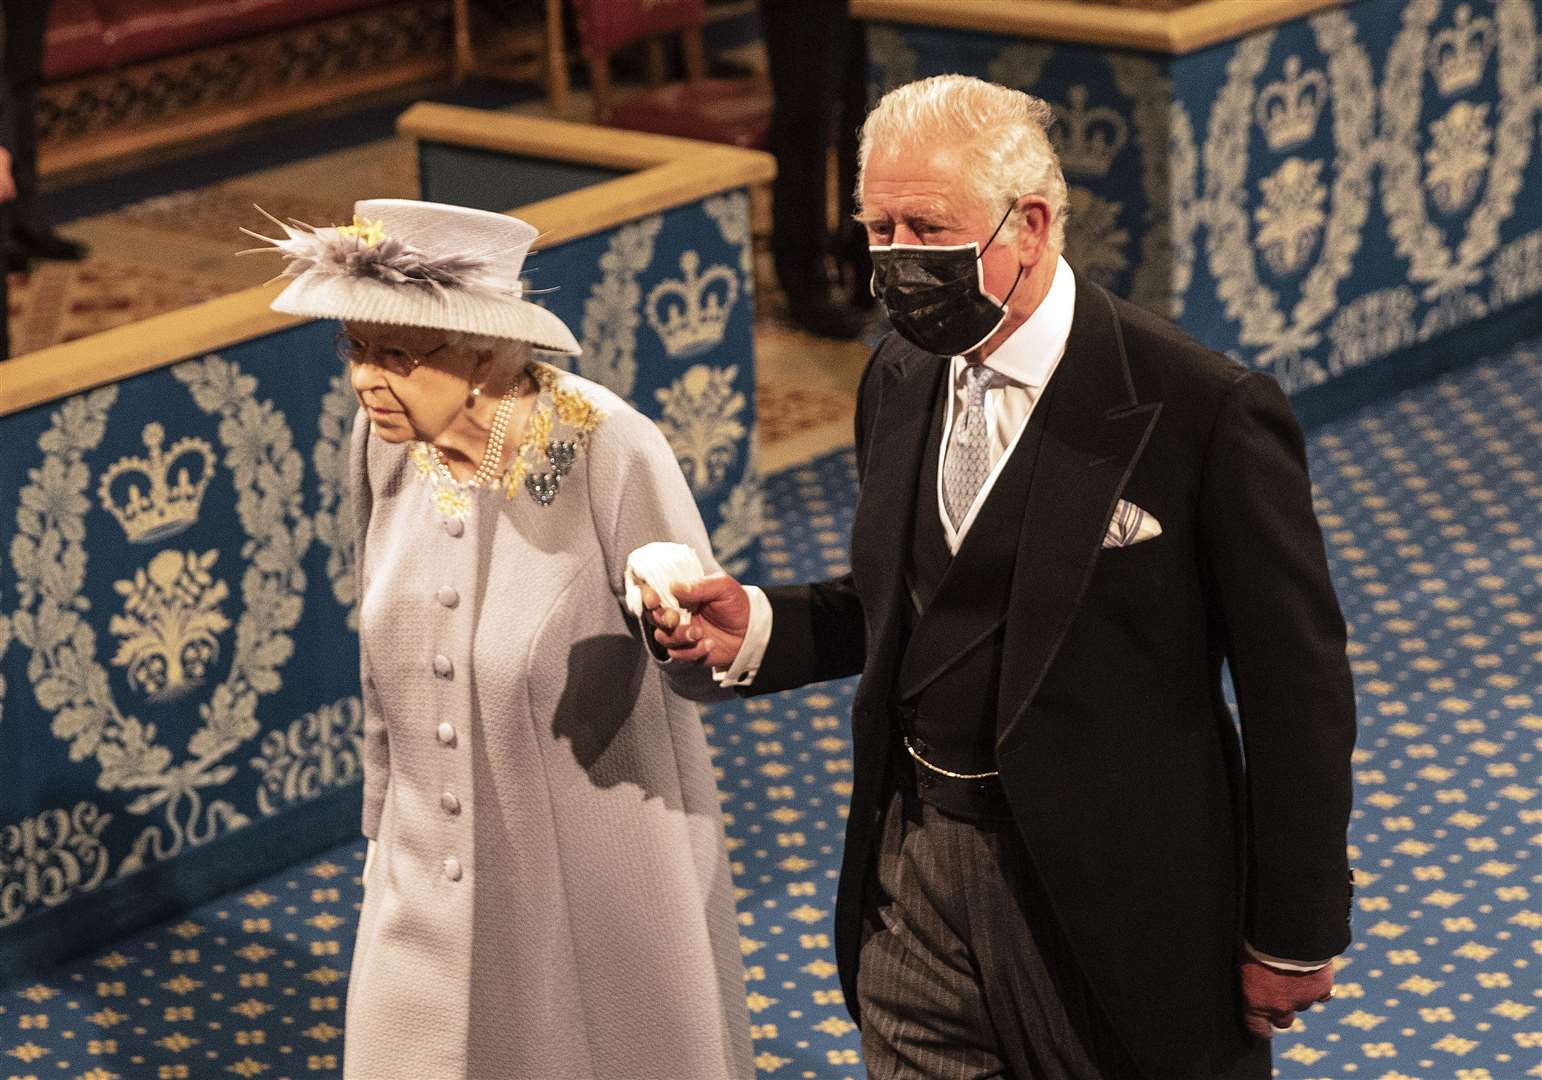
x=122, y=77
x=85, y=36
x=77, y=40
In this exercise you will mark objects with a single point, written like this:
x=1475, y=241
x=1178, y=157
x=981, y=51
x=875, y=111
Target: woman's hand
x=720, y=616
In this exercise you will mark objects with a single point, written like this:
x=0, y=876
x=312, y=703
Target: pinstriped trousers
x=963, y=974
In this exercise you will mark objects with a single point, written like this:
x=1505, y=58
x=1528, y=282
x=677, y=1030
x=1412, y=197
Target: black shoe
x=827, y=318
x=46, y=244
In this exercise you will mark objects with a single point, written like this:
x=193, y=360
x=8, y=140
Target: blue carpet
x=1432, y=506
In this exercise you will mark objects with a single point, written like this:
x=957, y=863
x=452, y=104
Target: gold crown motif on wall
x=1457, y=54
x=1288, y=109
x=1091, y=138
x=690, y=316
x=167, y=497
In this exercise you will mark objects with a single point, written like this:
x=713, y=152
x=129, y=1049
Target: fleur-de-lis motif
x=1093, y=237
x=701, y=422
x=1292, y=213
x=1458, y=155
x=170, y=622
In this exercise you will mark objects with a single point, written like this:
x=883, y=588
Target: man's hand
x=1271, y=998
x=7, y=184
x=720, y=615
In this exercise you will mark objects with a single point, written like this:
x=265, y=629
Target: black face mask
x=935, y=296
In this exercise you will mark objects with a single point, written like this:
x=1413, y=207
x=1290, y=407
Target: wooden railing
x=1166, y=26
x=667, y=173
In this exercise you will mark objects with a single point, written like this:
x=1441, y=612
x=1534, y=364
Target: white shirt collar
x=1028, y=357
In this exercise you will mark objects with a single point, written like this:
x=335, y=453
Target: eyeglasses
x=354, y=350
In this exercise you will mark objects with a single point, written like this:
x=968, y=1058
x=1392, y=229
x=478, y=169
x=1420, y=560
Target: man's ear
x=1035, y=219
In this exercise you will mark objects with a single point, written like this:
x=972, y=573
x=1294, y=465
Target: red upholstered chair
x=478, y=53
x=735, y=111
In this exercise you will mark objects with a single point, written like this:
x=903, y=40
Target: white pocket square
x=1130, y=525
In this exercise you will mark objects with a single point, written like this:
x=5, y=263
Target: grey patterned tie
x=968, y=460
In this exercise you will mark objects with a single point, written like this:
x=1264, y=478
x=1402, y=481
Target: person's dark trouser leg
x=851, y=239
x=963, y=974
x=923, y=1015
x=806, y=43
x=802, y=41
x=26, y=23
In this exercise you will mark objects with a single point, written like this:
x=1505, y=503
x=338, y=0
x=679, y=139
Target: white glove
x=661, y=565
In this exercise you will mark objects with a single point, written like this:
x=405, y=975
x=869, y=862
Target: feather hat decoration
x=409, y=263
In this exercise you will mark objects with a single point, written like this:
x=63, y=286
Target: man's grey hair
x=1002, y=133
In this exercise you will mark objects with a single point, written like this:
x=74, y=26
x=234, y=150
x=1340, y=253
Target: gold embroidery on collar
x=559, y=426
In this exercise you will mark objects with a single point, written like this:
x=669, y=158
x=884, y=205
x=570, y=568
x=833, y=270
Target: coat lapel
x=880, y=530
x=1094, y=432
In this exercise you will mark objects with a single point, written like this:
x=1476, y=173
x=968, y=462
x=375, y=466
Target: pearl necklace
x=492, y=455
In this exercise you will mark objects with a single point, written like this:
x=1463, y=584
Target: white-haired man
x=1057, y=864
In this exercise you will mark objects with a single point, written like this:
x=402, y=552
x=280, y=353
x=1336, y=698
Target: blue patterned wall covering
x=1321, y=198
x=664, y=308
x=178, y=659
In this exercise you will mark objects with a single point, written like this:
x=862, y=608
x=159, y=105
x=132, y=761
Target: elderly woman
x=547, y=893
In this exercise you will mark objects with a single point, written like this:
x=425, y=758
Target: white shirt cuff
x=752, y=650
x=1305, y=967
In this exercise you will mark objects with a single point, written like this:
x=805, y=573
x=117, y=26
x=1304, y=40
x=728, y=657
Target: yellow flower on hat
x=367, y=232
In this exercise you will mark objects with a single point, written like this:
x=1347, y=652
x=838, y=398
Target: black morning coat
x=1160, y=852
